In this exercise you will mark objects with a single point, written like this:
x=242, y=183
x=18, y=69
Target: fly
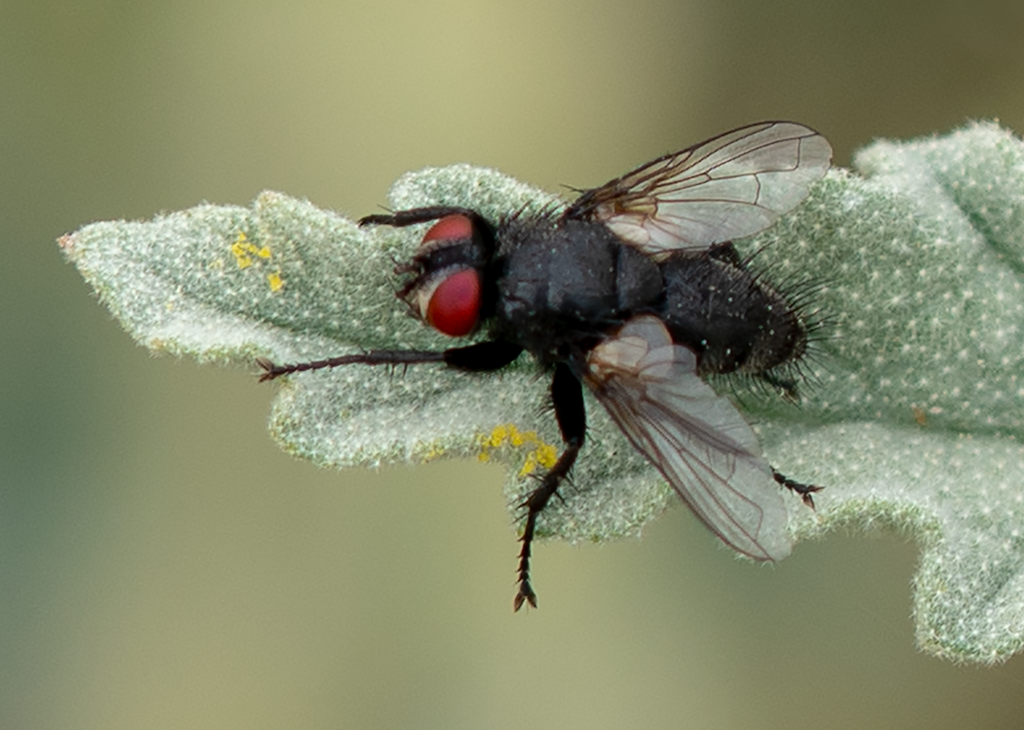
x=635, y=291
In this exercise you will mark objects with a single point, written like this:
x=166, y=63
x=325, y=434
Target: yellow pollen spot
x=498, y=436
x=507, y=435
x=244, y=250
x=436, y=452
x=275, y=281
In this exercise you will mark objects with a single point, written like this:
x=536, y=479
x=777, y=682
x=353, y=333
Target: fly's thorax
x=734, y=321
x=564, y=280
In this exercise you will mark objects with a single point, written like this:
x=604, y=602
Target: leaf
x=911, y=415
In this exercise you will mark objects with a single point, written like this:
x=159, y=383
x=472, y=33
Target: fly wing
x=730, y=186
x=696, y=438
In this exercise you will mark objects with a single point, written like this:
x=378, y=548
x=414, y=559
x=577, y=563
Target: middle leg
x=571, y=414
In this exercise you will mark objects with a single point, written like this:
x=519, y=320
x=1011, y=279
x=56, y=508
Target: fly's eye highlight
x=452, y=307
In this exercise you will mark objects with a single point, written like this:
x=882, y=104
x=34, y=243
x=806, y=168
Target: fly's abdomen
x=733, y=322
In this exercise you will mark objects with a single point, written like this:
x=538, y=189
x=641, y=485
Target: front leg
x=480, y=357
x=571, y=413
x=403, y=218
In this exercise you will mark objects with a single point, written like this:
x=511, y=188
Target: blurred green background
x=164, y=565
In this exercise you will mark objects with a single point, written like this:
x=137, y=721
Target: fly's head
x=448, y=289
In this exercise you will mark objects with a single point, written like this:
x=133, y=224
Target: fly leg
x=571, y=414
x=806, y=491
x=373, y=357
x=482, y=356
x=402, y=218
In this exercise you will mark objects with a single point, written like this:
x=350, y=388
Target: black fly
x=636, y=291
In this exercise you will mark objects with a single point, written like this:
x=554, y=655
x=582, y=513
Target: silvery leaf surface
x=911, y=410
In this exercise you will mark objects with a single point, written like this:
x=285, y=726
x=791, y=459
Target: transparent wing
x=730, y=186
x=696, y=438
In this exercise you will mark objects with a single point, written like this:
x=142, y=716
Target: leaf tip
x=67, y=244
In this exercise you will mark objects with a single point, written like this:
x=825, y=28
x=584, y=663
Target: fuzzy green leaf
x=912, y=414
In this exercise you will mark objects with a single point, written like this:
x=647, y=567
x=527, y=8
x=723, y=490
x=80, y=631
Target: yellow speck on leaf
x=541, y=454
x=498, y=436
x=243, y=250
x=436, y=452
x=275, y=281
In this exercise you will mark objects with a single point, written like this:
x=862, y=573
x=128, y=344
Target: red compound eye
x=450, y=228
x=455, y=303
